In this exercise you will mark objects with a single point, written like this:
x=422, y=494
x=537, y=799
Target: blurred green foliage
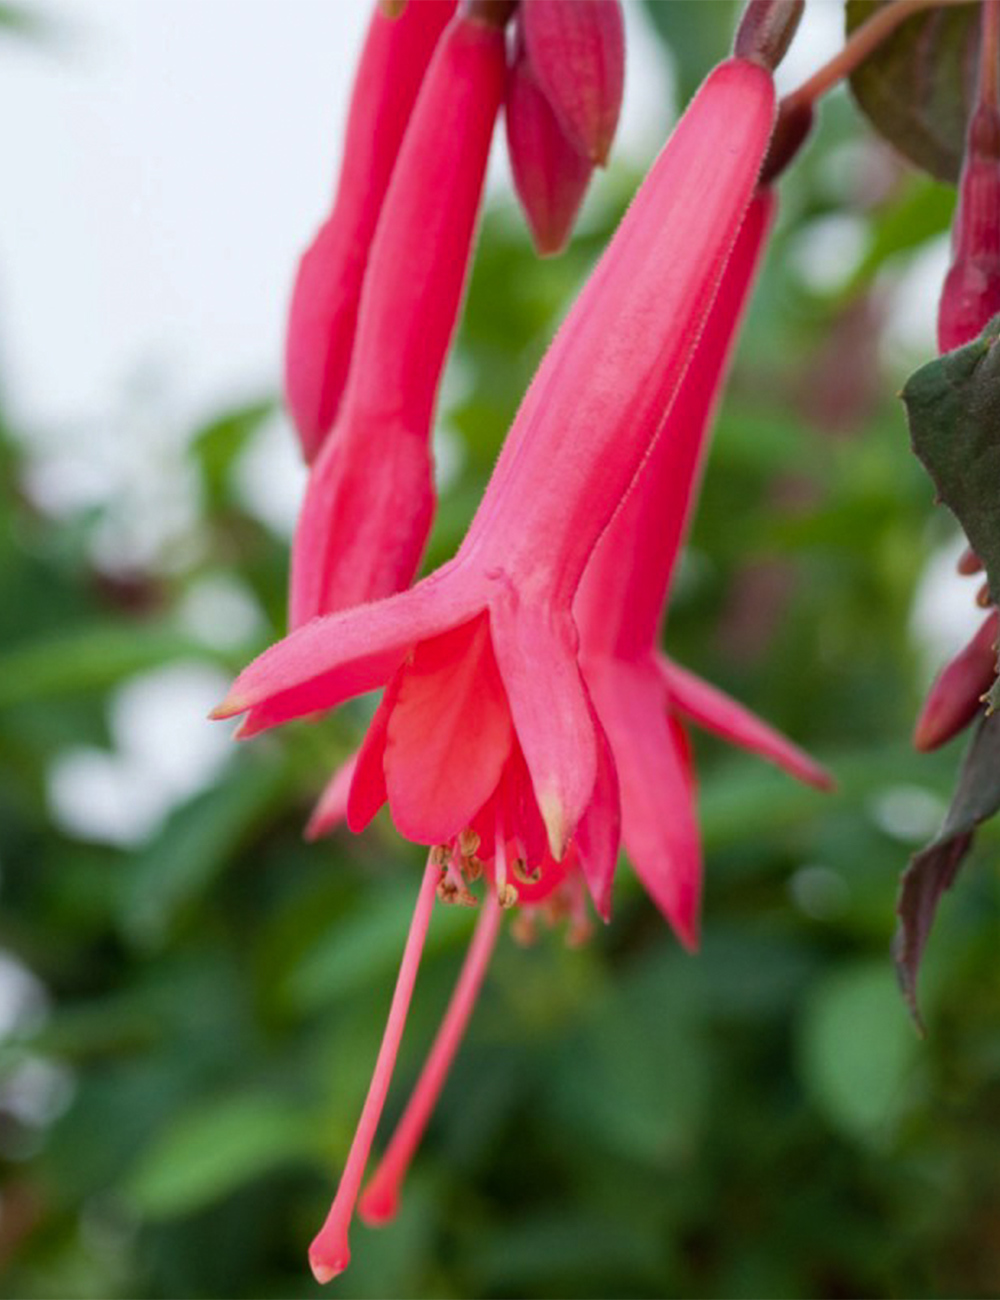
x=624, y=1119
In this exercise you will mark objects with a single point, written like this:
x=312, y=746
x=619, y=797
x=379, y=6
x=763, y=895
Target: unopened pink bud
x=324, y=306
x=957, y=694
x=550, y=172
x=971, y=293
x=577, y=50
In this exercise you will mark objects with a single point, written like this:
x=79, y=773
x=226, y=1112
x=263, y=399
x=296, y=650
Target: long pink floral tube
x=328, y=282
x=370, y=499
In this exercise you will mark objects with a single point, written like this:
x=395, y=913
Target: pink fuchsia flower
x=551, y=173
x=577, y=52
x=957, y=694
x=971, y=293
x=486, y=733
x=328, y=283
x=369, y=503
x=642, y=698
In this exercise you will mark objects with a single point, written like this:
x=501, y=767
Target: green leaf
x=932, y=870
x=91, y=659
x=856, y=1049
x=953, y=408
x=217, y=445
x=196, y=843
x=214, y=1150
x=918, y=86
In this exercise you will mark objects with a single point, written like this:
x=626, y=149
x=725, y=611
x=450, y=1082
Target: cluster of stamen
x=460, y=866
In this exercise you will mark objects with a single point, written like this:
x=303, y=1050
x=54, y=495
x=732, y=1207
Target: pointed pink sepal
x=577, y=51
x=956, y=696
x=331, y=807
x=551, y=174
x=715, y=711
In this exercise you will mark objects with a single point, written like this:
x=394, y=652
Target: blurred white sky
x=164, y=162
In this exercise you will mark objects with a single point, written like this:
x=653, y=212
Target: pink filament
x=380, y=1201
x=330, y=1253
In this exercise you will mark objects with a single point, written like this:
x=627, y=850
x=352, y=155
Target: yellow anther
x=473, y=868
x=507, y=895
x=468, y=843
x=440, y=854
x=520, y=869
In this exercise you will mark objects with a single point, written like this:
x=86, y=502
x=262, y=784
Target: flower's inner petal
x=331, y=808
x=657, y=795
x=368, y=792
x=599, y=832
x=449, y=734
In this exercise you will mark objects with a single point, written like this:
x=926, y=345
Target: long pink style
x=328, y=282
x=370, y=498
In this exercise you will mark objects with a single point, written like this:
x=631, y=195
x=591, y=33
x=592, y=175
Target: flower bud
x=324, y=305
x=577, y=50
x=971, y=293
x=550, y=172
x=766, y=30
x=957, y=693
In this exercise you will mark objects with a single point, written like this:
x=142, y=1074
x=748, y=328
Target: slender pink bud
x=957, y=694
x=327, y=288
x=370, y=499
x=971, y=293
x=550, y=173
x=577, y=50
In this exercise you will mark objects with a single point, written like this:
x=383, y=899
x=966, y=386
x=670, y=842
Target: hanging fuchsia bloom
x=577, y=52
x=971, y=293
x=959, y=689
x=640, y=696
x=551, y=173
x=486, y=745
x=327, y=288
x=370, y=499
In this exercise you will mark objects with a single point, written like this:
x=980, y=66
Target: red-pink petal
x=449, y=735
x=578, y=53
x=331, y=807
x=659, y=822
x=368, y=789
x=957, y=693
x=599, y=832
x=536, y=654
x=715, y=711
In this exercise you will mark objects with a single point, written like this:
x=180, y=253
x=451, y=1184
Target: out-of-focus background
x=190, y=997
